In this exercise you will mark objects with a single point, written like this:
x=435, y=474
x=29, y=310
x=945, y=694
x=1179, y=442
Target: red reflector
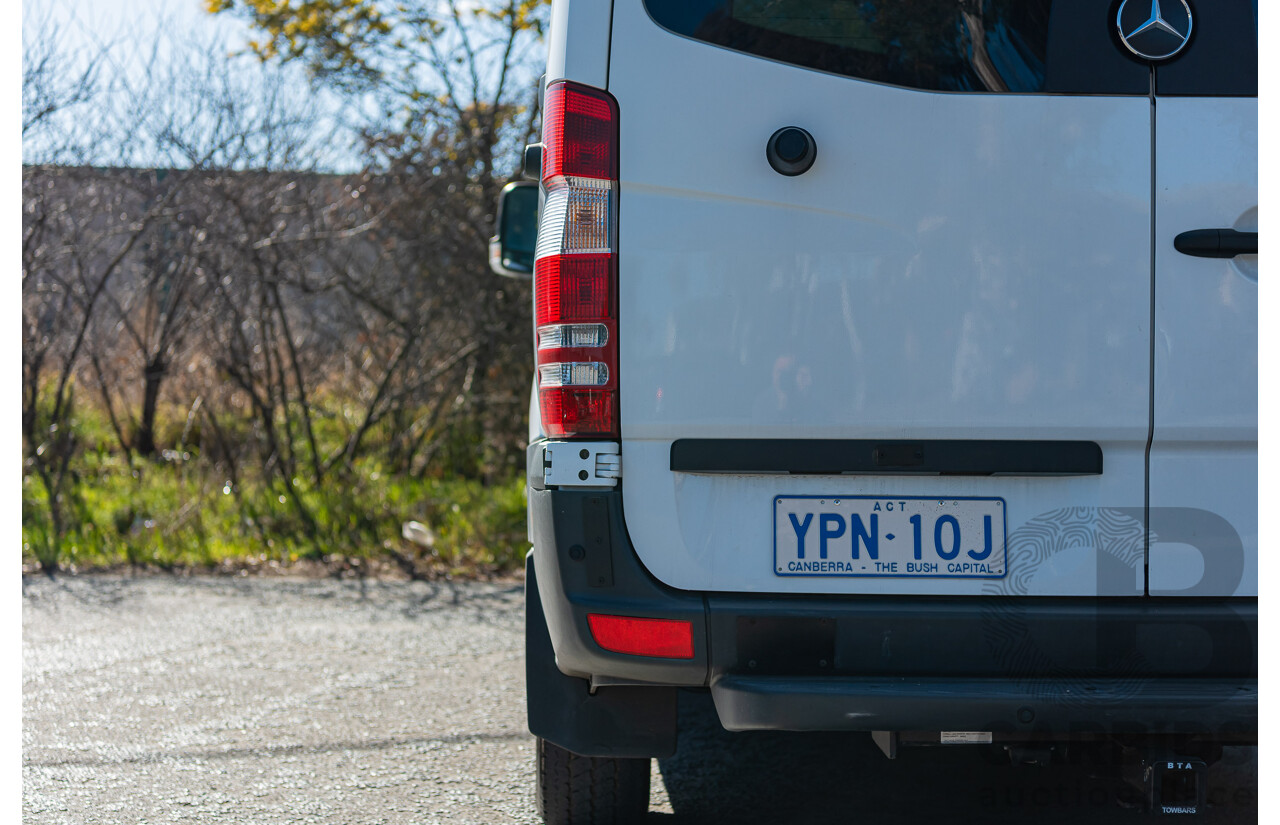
x=568, y=412
x=666, y=638
x=572, y=288
x=578, y=133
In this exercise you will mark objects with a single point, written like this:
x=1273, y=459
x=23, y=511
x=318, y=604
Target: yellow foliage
x=355, y=36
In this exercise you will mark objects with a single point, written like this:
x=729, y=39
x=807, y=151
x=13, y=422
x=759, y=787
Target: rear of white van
x=887, y=380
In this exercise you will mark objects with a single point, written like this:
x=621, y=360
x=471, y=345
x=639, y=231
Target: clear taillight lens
x=582, y=210
x=573, y=374
x=560, y=336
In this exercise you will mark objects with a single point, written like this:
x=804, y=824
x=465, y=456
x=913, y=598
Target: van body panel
x=953, y=266
x=578, y=47
x=1204, y=456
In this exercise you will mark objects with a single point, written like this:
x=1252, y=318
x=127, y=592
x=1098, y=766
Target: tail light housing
x=575, y=264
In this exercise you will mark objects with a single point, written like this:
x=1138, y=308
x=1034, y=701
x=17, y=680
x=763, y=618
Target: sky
x=127, y=28
x=92, y=22
x=131, y=29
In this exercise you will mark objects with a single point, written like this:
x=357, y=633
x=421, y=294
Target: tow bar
x=1173, y=785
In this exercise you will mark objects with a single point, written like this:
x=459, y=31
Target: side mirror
x=511, y=250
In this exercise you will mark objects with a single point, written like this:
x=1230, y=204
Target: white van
x=896, y=373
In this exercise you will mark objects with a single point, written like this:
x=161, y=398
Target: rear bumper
x=1218, y=709
x=1048, y=666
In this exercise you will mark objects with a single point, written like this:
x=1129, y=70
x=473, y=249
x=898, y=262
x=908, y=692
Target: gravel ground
x=263, y=700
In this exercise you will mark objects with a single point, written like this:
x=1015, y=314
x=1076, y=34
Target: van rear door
x=1204, y=455
x=967, y=263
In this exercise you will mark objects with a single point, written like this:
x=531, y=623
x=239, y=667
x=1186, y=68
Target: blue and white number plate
x=889, y=536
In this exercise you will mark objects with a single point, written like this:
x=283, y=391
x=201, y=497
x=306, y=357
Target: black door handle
x=1216, y=243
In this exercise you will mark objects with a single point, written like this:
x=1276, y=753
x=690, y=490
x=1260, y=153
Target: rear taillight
x=575, y=268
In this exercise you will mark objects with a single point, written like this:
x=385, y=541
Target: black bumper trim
x=870, y=456
x=982, y=636
x=1220, y=709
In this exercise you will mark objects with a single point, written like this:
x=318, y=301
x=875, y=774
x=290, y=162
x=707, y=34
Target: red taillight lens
x=575, y=275
x=573, y=288
x=579, y=134
x=664, y=638
x=567, y=412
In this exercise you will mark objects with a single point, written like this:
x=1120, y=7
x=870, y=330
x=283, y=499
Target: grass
x=179, y=512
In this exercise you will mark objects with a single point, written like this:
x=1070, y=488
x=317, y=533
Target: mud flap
x=620, y=721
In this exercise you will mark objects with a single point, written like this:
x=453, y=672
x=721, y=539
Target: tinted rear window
x=1222, y=57
x=938, y=45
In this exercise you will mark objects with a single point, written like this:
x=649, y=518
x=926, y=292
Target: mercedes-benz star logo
x=1154, y=37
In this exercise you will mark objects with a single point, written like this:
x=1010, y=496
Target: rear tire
x=590, y=790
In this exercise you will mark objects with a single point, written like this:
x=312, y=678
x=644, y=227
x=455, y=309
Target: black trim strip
x=1064, y=707
x=878, y=457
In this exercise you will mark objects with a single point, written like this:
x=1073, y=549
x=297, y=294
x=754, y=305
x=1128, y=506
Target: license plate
x=900, y=536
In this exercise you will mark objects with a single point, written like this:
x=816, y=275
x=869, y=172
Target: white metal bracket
x=582, y=463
